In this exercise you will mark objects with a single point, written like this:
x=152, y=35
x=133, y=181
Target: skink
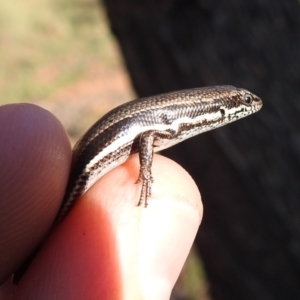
x=148, y=125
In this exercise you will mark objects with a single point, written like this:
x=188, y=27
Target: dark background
x=248, y=172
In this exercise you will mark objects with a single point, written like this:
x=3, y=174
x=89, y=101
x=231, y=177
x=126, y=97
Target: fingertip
x=153, y=242
x=35, y=155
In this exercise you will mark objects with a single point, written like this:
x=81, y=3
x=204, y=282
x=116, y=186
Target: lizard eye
x=248, y=98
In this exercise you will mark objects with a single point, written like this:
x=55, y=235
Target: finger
x=108, y=248
x=34, y=157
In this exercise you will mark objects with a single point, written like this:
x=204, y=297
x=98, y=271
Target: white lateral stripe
x=137, y=129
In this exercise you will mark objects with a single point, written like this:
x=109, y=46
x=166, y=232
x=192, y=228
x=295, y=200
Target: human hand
x=107, y=247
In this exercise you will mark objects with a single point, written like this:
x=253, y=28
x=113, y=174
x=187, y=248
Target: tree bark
x=248, y=172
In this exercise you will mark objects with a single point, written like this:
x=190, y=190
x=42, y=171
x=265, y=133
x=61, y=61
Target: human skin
x=107, y=247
